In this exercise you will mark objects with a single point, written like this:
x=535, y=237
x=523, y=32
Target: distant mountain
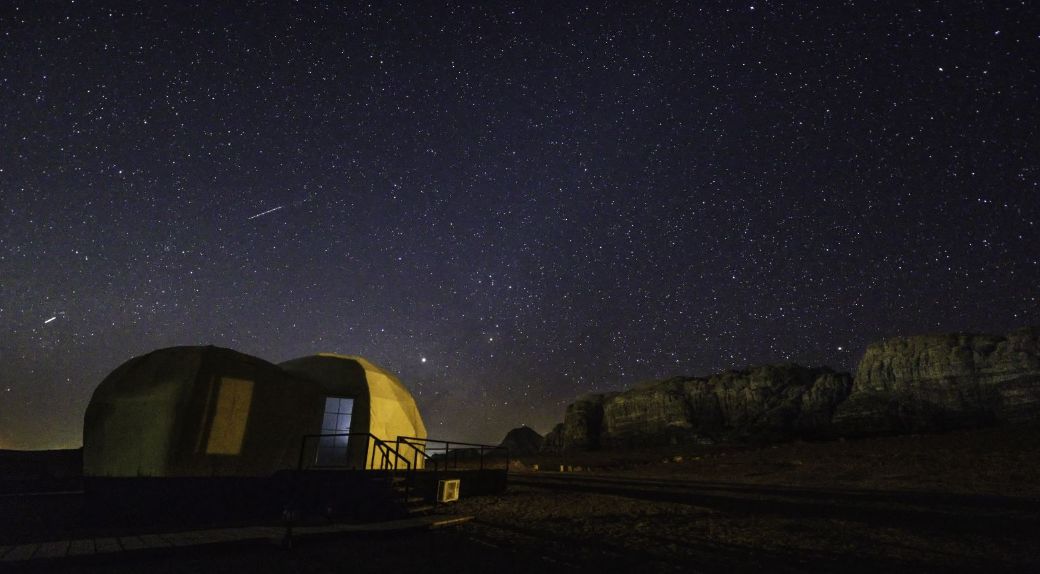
x=522, y=441
x=905, y=384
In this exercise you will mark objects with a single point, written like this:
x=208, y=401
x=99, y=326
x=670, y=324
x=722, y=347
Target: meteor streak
x=51, y=319
x=265, y=212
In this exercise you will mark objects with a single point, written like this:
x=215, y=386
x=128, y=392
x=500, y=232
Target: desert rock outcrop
x=939, y=382
x=522, y=441
x=903, y=384
x=772, y=401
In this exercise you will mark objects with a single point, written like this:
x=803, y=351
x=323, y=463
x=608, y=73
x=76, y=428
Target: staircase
x=410, y=504
x=390, y=484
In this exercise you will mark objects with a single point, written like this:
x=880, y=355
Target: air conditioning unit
x=448, y=490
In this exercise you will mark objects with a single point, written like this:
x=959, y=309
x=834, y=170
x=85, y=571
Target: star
x=691, y=192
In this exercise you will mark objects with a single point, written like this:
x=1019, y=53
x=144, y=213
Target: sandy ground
x=592, y=531
x=961, y=501
x=447, y=550
x=1000, y=461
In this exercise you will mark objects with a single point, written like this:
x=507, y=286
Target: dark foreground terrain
x=966, y=501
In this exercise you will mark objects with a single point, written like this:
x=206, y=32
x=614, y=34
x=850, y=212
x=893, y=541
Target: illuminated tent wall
x=208, y=411
x=381, y=404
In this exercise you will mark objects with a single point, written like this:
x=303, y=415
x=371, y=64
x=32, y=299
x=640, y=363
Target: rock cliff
x=772, y=401
x=554, y=440
x=904, y=384
x=939, y=382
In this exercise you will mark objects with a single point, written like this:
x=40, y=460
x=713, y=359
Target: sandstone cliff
x=554, y=440
x=767, y=402
x=939, y=382
x=905, y=384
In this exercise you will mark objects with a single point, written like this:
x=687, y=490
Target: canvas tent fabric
x=382, y=404
x=209, y=411
x=197, y=411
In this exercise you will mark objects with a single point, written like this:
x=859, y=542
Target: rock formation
x=939, y=382
x=554, y=439
x=773, y=401
x=522, y=441
x=905, y=384
x=582, y=423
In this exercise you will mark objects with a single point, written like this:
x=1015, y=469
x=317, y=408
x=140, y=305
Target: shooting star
x=265, y=212
x=51, y=319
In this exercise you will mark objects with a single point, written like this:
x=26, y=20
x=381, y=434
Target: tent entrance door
x=332, y=450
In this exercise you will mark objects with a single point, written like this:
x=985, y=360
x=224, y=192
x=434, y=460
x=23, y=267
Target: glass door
x=332, y=450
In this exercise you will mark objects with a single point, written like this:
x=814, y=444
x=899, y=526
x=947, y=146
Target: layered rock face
x=939, y=382
x=773, y=401
x=583, y=422
x=905, y=384
x=554, y=440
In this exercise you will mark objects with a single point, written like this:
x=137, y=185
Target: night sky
x=508, y=204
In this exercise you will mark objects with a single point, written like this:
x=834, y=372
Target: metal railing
x=429, y=451
x=425, y=452
x=388, y=457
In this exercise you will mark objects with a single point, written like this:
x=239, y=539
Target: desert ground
x=954, y=502
x=1001, y=461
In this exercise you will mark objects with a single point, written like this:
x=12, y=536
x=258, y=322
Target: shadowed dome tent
x=208, y=411
x=198, y=411
x=381, y=405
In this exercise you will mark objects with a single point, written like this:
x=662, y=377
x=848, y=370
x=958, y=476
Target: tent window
x=228, y=428
x=332, y=450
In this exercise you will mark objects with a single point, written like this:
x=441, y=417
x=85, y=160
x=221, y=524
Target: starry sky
x=509, y=204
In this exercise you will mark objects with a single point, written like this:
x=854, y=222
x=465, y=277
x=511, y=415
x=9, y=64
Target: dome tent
x=209, y=411
x=197, y=411
x=381, y=404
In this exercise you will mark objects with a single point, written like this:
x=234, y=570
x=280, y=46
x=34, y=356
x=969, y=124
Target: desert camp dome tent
x=209, y=411
x=197, y=411
x=378, y=402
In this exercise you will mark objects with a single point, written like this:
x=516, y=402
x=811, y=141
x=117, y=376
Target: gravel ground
x=1001, y=461
x=870, y=533
x=590, y=531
